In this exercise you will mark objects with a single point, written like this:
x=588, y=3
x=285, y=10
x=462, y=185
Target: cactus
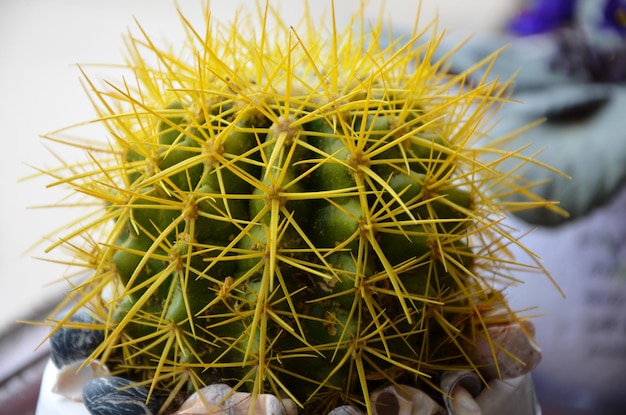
x=291, y=213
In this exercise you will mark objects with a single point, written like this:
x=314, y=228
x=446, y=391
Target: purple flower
x=548, y=15
x=615, y=15
x=543, y=16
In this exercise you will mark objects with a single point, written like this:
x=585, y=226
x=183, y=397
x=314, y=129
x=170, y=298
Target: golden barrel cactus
x=298, y=211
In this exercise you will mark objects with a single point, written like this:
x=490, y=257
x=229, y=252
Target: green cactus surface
x=301, y=211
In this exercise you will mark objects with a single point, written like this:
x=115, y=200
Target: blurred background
x=41, y=43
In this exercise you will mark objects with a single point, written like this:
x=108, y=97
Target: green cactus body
x=293, y=223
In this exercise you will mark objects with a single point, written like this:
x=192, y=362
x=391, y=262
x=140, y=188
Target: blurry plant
x=543, y=16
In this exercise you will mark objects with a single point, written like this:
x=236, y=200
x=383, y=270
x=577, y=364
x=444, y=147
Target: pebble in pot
x=113, y=395
x=69, y=349
x=69, y=345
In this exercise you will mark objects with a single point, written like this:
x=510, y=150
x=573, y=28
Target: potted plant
x=298, y=217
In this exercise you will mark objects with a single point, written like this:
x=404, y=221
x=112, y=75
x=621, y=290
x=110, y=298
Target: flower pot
x=512, y=397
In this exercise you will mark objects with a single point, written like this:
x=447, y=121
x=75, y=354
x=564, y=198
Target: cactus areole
x=298, y=211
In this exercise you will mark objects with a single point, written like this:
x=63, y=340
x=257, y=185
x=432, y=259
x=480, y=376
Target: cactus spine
x=291, y=213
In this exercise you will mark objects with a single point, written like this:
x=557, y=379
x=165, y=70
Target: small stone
x=210, y=398
x=69, y=345
x=114, y=395
x=463, y=403
x=71, y=378
x=459, y=391
x=345, y=410
x=403, y=400
x=515, y=352
x=219, y=399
